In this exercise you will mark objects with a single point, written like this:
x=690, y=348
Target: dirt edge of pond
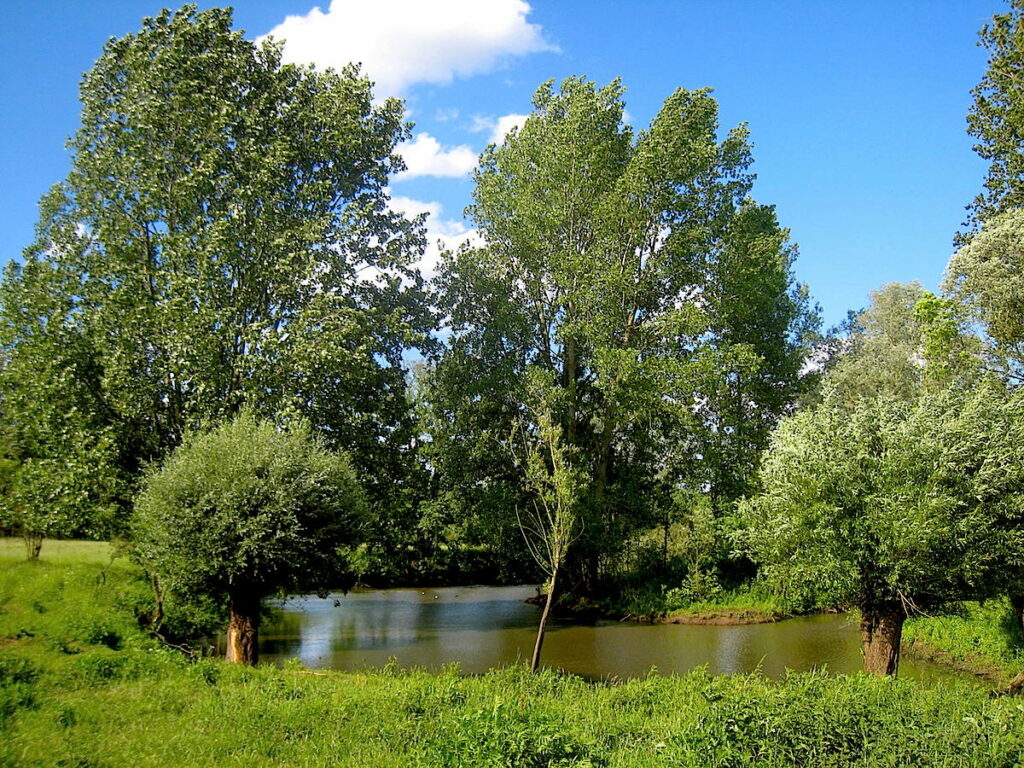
x=975, y=663
x=721, y=618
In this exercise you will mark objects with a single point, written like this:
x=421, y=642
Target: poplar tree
x=222, y=240
x=624, y=266
x=995, y=115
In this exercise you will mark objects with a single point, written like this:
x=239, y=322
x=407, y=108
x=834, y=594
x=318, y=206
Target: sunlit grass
x=750, y=601
x=58, y=551
x=981, y=637
x=81, y=684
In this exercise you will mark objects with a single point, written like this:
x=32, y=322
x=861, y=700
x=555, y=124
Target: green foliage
x=888, y=501
x=883, y=356
x=702, y=595
x=248, y=506
x=61, y=473
x=222, y=240
x=551, y=522
x=982, y=637
x=905, y=342
x=674, y=565
x=634, y=272
x=985, y=275
x=950, y=353
x=995, y=116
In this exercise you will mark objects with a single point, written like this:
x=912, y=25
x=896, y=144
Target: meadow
x=81, y=684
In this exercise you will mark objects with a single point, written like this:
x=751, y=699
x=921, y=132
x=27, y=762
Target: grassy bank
x=81, y=685
x=743, y=605
x=981, y=638
x=56, y=551
x=746, y=604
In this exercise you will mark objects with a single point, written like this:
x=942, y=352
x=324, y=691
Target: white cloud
x=401, y=42
x=424, y=156
x=499, y=127
x=442, y=234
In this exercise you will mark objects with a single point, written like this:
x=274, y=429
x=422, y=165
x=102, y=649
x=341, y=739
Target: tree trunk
x=569, y=385
x=535, y=661
x=881, y=629
x=156, y=618
x=1017, y=601
x=1014, y=687
x=33, y=543
x=243, y=627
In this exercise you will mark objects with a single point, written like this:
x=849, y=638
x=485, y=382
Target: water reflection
x=485, y=627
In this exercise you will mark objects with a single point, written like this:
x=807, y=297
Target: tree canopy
x=890, y=506
x=222, y=240
x=994, y=119
x=635, y=273
x=985, y=275
x=247, y=510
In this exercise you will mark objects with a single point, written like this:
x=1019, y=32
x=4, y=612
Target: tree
x=883, y=353
x=995, y=116
x=223, y=240
x=907, y=341
x=606, y=263
x=891, y=507
x=550, y=522
x=753, y=305
x=65, y=477
x=244, y=511
x=985, y=274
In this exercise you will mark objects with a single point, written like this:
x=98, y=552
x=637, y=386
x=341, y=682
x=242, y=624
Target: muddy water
x=484, y=627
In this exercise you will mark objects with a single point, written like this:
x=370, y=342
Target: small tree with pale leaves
x=550, y=522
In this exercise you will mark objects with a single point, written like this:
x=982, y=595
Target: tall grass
x=981, y=637
x=83, y=686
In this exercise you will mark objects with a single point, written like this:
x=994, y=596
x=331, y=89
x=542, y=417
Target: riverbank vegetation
x=981, y=638
x=83, y=684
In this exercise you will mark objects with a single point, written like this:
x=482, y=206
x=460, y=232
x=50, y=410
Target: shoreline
x=974, y=664
x=712, y=618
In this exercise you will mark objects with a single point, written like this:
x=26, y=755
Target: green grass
x=81, y=685
x=749, y=601
x=56, y=550
x=745, y=601
x=979, y=637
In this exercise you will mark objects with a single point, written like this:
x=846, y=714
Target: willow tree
x=225, y=231
x=245, y=511
x=890, y=507
x=603, y=264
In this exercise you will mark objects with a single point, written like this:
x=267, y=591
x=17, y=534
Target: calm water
x=484, y=627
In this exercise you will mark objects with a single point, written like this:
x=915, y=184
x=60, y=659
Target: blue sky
x=856, y=109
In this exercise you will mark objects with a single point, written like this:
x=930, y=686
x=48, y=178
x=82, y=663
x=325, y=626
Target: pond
x=484, y=627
